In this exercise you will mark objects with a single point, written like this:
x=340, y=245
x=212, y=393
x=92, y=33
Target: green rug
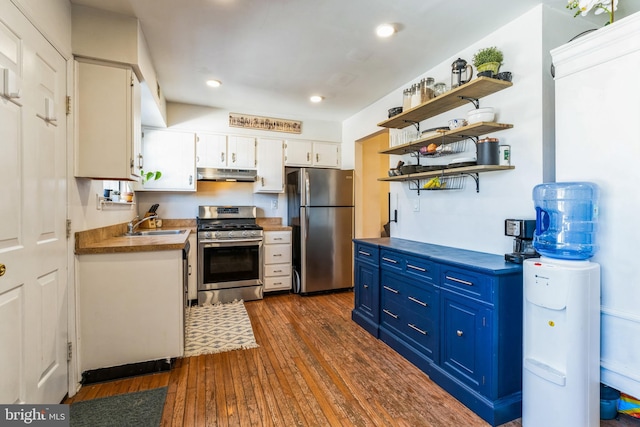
x=139, y=409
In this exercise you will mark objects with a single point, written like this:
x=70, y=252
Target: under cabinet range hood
x=239, y=175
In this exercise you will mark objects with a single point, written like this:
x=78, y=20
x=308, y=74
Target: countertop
x=110, y=240
x=272, y=224
x=480, y=261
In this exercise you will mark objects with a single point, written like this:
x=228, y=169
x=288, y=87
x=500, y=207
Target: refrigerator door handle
x=305, y=196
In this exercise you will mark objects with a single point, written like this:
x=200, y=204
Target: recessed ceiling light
x=385, y=30
x=214, y=83
x=316, y=98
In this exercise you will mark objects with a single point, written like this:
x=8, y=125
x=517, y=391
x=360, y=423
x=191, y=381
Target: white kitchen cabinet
x=241, y=152
x=172, y=153
x=277, y=260
x=211, y=150
x=225, y=152
x=312, y=153
x=270, y=162
x=130, y=308
x=108, y=128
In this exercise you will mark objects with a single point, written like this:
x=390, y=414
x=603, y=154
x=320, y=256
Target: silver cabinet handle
x=390, y=289
x=395, y=316
x=317, y=157
x=415, y=328
x=221, y=157
x=308, y=156
x=464, y=282
x=277, y=254
x=364, y=253
x=190, y=179
x=233, y=157
x=416, y=268
x=424, y=304
x=392, y=261
x=459, y=333
x=262, y=181
x=277, y=238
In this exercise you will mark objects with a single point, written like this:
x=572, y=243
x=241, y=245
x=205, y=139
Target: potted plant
x=488, y=59
x=148, y=176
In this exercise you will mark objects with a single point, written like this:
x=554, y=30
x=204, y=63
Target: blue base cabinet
x=366, y=288
x=455, y=314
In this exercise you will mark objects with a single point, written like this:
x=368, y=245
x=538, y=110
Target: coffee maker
x=522, y=230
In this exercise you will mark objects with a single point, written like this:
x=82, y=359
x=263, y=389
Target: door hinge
x=68, y=228
x=69, y=350
x=68, y=105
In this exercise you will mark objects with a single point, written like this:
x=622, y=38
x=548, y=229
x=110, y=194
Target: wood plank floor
x=314, y=367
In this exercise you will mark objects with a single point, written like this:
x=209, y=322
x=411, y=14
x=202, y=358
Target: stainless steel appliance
x=229, y=254
x=522, y=230
x=320, y=212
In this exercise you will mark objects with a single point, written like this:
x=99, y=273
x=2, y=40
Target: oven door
x=229, y=264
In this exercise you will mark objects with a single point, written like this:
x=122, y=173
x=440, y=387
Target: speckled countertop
x=110, y=240
x=272, y=224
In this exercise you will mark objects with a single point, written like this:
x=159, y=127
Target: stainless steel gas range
x=229, y=254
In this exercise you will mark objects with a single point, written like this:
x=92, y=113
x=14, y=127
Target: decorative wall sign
x=264, y=123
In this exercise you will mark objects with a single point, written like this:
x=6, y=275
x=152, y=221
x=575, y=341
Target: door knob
x=3, y=269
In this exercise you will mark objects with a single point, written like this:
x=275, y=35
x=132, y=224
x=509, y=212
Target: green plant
x=488, y=54
x=148, y=176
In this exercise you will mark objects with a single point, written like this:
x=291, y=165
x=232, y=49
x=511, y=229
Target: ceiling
x=271, y=55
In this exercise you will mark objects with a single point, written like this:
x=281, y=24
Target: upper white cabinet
x=172, y=153
x=270, y=160
x=211, y=150
x=241, y=152
x=107, y=121
x=222, y=151
x=117, y=38
x=312, y=153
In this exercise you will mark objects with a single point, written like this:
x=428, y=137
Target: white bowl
x=457, y=123
x=481, y=115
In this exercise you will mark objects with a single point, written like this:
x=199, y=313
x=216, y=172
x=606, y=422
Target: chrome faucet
x=131, y=227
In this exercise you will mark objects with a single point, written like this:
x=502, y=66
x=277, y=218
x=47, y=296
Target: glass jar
x=406, y=99
x=439, y=88
x=415, y=95
x=427, y=89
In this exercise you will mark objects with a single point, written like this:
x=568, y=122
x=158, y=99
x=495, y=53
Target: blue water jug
x=566, y=219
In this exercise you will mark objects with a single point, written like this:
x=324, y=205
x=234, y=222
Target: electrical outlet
x=416, y=205
x=274, y=205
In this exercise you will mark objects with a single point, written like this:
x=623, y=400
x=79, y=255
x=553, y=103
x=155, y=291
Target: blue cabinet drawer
x=421, y=299
x=366, y=253
x=468, y=283
x=391, y=260
x=421, y=268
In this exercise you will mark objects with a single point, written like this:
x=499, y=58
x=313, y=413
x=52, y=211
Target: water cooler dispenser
x=561, y=324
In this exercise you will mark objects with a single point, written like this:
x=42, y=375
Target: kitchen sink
x=153, y=233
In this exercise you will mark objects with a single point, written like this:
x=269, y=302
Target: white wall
x=464, y=218
x=205, y=119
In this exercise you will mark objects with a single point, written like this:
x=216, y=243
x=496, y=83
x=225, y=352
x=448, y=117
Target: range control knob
x=246, y=233
x=207, y=234
x=231, y=234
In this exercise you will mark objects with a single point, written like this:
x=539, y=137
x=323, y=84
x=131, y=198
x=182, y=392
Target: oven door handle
x=239, y=242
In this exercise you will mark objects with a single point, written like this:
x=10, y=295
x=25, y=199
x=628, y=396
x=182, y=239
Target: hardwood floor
x=314, y=367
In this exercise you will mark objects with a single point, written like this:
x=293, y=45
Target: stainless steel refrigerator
x=320, y=211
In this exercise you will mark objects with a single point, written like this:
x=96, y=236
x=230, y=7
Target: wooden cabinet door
x=241, y=152
x=466, y=342
x=270, y=162
x=298, y=153
x=173, y=154
x=366, y=290
x=211, y=150
x=326, y=155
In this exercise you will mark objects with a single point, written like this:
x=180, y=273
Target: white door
x=33, y=288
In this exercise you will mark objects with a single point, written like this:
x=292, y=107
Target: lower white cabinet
x=277, y=260
x=130, y=308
